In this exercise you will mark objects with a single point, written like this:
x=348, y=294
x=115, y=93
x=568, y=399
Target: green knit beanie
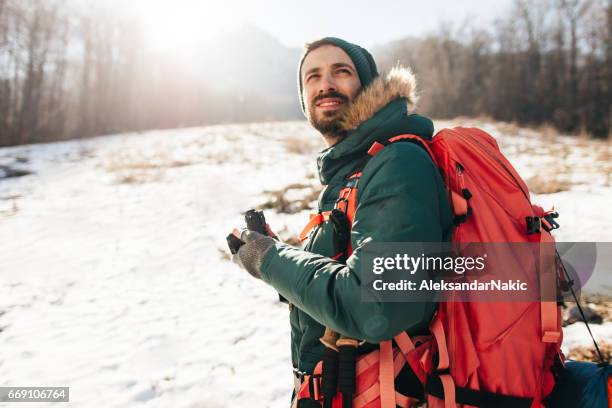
x=363, y=60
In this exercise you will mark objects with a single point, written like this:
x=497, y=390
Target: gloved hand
x=251, y=254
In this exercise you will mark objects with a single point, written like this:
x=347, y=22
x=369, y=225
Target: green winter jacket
x=401, y=198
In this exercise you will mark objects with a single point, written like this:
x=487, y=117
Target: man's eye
x=344, y=71
x=312, y=77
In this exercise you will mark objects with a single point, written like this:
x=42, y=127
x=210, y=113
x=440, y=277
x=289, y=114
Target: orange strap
x=403, y=401
x=366, y=361
x=315, y=219
x=548, y=308
x=347, y=198
x=418, y=139
x=374, y=391
x=385, y=375
x=352, y=205
x=448, y=385
x=367, y=396
x=346, y=202
x=375, y=148
x=343, y=198
x=438, y=331
x=404, y=343
x=550, y=334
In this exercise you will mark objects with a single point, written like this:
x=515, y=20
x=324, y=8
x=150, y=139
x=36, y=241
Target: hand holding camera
x=250, y=245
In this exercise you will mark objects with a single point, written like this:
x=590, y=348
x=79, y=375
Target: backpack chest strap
x=345, y=203
x=315, y=219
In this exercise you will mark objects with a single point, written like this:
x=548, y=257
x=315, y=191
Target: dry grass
x=588, y=353
x=302, y=145
x=600, y=305
x=138, y=169
x=548, y=132
x=146, y=165
x=288, y=237
x=279, y=201
x=296, y=146
x=604, y=155
x=468, y=121
x=539, y=184
x=139, y=177
x=584, y=138
x=509, y=128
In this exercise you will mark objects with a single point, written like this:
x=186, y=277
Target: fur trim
x=398, y=83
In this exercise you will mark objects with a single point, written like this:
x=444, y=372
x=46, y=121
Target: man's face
x=329, y=82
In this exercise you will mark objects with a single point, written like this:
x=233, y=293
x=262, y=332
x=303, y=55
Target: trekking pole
x=346, y=369
x=568, y=284
x=329, y=380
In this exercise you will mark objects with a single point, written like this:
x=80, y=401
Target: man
x=400, y=196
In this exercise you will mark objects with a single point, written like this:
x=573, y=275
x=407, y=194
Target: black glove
x=251, y=254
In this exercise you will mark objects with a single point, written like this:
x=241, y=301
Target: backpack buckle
x=533, y=225
x=548, y=221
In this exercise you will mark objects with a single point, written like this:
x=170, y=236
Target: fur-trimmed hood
x=398, y=83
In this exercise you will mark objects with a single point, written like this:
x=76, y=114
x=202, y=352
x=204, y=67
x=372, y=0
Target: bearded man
x=400, y=198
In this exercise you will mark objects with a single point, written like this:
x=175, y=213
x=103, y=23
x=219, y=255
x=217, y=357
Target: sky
x=180, y=23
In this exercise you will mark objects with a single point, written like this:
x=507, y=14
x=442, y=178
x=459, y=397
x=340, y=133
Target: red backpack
x=479, y=354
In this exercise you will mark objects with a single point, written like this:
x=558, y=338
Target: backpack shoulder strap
x=349, y=193
x=377, y=146
x=347, y=198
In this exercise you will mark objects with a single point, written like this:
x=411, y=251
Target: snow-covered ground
x=114, y=275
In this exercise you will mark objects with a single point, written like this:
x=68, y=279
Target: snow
x=114, y=277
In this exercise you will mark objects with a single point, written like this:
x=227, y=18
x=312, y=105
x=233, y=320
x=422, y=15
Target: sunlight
x=177, y=28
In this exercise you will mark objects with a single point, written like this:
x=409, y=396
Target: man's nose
x=327, y=83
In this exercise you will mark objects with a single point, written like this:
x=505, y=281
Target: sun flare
x=179, y=27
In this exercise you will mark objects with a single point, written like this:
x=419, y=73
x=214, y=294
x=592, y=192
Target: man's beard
x=329, y=124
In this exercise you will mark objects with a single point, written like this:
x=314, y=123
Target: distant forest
x=69, y=72
x=547, y=62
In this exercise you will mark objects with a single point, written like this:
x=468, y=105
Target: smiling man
x=399, y=194
x=331, y=81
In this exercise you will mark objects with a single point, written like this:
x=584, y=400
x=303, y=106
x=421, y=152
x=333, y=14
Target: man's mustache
x=330, y=94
